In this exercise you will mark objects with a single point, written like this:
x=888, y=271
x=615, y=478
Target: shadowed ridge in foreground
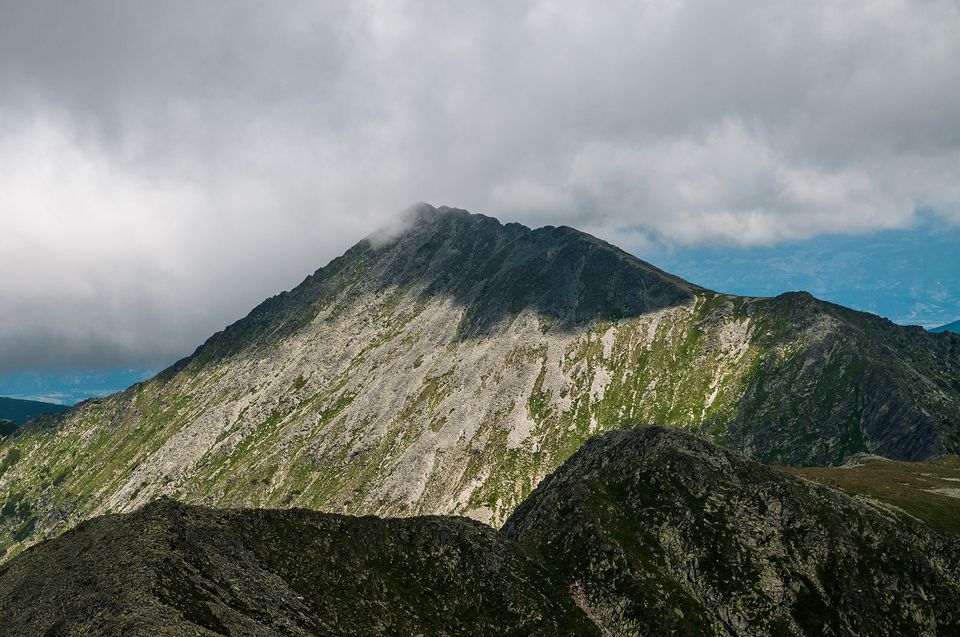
x=172, y=569
x=666, y=532
x=642, y=532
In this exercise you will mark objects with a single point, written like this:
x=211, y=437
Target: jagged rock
x=665, y=533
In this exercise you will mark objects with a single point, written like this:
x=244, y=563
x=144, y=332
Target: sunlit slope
x=447, y=369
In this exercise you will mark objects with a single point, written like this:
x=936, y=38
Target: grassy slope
x=927, y=490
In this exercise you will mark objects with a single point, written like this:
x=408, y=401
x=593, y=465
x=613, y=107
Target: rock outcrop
x=664, y=533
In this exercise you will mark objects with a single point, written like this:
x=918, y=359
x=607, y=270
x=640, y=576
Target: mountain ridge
x=641, y=531
x=450, y=367
x=949, y=327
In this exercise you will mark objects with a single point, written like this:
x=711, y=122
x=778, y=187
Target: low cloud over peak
x=168, y=165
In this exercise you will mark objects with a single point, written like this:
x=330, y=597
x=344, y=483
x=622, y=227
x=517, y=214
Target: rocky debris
x=862, y=460
x=642, y=532
x=664, y=533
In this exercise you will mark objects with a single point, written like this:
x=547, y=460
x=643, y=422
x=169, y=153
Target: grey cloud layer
x=166, y=165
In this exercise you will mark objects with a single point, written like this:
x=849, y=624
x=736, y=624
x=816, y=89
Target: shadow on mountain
x=493, y=271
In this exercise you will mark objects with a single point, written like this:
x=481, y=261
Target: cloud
x=167, y=165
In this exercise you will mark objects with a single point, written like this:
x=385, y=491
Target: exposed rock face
x=664, y=533
x=449, y=368
x=643, y=532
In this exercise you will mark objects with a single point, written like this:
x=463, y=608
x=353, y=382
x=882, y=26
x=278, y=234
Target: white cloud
x=167, y=165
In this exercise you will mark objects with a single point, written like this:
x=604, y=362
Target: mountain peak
x=499, y=270
x=493, y=271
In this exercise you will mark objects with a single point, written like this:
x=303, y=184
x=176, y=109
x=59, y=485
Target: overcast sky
x=166, y=165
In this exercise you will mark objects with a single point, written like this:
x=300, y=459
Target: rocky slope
x=643, y=532
x=449, y=367
x=664, y=533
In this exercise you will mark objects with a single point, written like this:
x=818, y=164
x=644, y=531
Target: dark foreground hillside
x=171, y=569
x=665, y=532
x=643, y=532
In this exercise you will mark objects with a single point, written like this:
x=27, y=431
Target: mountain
x=20, y=411
x=949, y=327
x=665, y=533
x=446, y=368
x=649, y=531
x=172, y=569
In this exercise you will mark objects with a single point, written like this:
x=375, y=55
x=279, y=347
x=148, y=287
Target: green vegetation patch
x=929, y=491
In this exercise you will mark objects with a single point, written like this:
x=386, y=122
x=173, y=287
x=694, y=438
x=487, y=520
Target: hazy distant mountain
x=645, y=532
x=71, y=386
x=20, y=411
x=949, y=327
x=908, y=275
x=449, y=367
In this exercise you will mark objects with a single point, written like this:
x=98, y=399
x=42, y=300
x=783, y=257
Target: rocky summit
x=642, y=532
x=660, y=532
x=448, y=366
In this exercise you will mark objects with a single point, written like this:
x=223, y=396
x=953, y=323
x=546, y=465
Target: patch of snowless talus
x=449, y=368
x=433, y=409
x=440, y=423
